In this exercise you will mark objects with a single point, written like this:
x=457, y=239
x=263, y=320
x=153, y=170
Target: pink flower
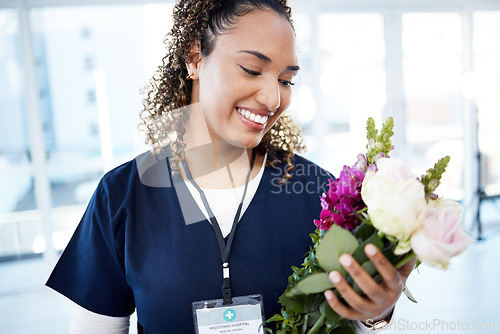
x=440, y=237
x=323, y=224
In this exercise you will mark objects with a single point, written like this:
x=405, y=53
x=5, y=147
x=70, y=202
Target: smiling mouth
x=259, y=119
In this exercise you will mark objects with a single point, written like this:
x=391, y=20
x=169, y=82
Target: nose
x=269, y=95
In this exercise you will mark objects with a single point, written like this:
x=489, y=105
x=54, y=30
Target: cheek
x=285, y=97
x=213, y=84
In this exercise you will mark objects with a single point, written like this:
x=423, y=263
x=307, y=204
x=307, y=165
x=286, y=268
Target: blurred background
x=71, y=72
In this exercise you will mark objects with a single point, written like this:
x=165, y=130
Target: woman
x=213, y=114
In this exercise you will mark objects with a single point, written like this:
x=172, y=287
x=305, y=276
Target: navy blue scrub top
x=143, y=244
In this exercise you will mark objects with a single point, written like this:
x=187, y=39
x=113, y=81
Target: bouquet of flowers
x=378, y=201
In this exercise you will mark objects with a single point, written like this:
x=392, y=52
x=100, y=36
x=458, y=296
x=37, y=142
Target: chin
x=248, y=141
x=251, y=144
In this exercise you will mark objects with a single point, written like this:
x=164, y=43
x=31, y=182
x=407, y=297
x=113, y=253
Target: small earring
x=190, y=76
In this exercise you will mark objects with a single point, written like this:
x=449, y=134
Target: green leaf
x=314, y=283
x=293, y=303
x=364, y=231
x=315, y=236
x=335, y=242
x=359, y=254
x=331, y=316
x=313, y=318
x=276, y=317
x=285, y=314
x=301, y=303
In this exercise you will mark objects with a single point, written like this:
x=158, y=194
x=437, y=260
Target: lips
x=253, y=116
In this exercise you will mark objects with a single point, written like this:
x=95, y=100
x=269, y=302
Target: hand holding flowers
x=376, y=218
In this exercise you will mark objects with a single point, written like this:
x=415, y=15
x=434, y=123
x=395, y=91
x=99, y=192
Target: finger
x=366, y=283
x=389, y=274
x=341, y=309
x=354, y=300
x=406, y=269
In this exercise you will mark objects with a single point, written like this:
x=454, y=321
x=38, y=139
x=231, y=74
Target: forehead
x=264, y=31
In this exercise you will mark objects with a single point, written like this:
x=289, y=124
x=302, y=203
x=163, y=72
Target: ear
x=194, y=57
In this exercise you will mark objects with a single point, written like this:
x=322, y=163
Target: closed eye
x=249, y=71
x=286, y=83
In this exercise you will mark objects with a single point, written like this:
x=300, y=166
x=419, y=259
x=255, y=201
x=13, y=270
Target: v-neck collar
x=188, y=203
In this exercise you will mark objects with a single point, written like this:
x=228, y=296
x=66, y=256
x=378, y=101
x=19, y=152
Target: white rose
x=395, y=199
x=440, y=237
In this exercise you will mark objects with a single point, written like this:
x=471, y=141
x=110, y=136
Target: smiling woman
x=249, y=54
x=177, y=232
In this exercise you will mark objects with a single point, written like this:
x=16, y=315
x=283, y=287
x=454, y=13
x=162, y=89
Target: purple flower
x=343, y=200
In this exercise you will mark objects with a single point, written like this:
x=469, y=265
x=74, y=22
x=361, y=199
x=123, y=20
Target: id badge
x=244, y=315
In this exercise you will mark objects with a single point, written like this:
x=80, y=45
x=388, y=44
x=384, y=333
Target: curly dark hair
x=168, y=94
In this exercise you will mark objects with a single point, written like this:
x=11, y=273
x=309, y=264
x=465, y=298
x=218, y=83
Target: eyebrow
x=266, y=59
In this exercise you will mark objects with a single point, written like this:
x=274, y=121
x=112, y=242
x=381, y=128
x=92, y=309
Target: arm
x=84, y=321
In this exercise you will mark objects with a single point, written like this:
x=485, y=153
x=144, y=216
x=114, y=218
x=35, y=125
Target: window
x=432, y=73
x=487, y=72
x=91, y=63
x=352, y=83
x=19, y=218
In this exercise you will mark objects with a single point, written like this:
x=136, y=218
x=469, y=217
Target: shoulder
x=307, y=179
x=301, y=162
x=126, y=181
x=302, y=168
x=148, y=168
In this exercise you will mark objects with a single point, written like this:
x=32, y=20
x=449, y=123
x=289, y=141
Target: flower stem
x=318, y=324
x=411, y=255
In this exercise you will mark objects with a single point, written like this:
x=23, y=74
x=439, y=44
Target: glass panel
x=353, y=82
x=487, y=73
x=92, y=63
x=432, y=71
x=19, y=220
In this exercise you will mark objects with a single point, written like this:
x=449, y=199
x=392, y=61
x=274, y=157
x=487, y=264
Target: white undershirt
x=224, y=202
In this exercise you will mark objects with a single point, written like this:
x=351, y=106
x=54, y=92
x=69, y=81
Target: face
x=244, y=85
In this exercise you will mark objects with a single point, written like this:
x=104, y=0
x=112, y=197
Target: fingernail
x=328, y=295
x=345, y=260
x=370, y=249
x=335, y=277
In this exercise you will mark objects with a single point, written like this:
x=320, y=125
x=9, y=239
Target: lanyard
x=225, y=249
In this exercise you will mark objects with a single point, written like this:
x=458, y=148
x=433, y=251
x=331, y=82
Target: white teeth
x=253, y=117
